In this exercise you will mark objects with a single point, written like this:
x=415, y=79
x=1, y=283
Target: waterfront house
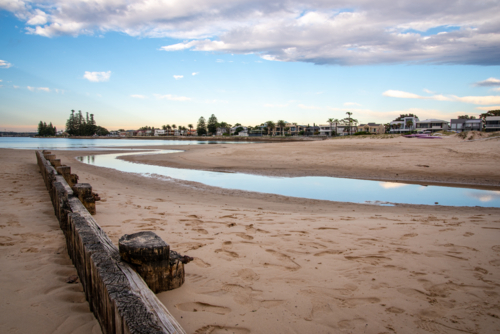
x=432, y=125
x=403, y=124
x=372, y=128
x=461, y=124
x=492, y=123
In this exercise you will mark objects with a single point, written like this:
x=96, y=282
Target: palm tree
x=409, y=124
x=174, y=127
x=270, y=126
x=164, y=127
x=169, y=128
x=190, y=126
x=281, y=123
x=349, y=113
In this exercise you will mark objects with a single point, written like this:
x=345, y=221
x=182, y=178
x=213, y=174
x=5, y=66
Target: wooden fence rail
x=119, y=298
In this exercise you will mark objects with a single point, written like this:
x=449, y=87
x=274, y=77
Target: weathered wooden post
x=85, y=195
x=65, y=171
x=161, y=268
x=55, y=162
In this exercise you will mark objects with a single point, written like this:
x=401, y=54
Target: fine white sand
x=267, y=263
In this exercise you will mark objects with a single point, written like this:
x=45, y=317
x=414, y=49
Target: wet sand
x=267, y=263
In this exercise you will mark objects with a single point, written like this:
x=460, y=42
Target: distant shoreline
x=205, y=138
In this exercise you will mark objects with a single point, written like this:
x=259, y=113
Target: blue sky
x=135, y=63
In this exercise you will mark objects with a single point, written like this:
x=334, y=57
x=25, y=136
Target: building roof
x=432, y=120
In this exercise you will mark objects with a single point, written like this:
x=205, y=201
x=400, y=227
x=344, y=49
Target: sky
x=134, y=63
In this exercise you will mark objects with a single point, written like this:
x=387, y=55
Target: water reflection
x=95, y=144
x=89, y=159
x=311, y=187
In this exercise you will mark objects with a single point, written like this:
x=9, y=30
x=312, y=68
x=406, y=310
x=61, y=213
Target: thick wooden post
x=65, y=171
x=161, y=268
x=84, y=193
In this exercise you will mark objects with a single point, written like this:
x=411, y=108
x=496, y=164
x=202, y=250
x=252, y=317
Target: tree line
x=45, y=130
x=77, y=125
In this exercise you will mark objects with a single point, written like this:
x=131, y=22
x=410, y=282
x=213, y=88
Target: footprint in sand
x=215, y=329
x=200, y=230
x=247, y=275
x=195, y=277
x=356, y=324
x=495, y=263
x=243, y=295
x=200, y=263
x=285, y=261
x=226, y=252
x=353, y=302
x=369, y=259
x=244, y=236
x=395, y=310
x=203, y=307
x=327, y=252
x=496, y=248
x=409, y=235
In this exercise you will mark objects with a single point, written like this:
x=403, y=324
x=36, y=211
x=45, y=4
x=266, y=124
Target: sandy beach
x=267, y=263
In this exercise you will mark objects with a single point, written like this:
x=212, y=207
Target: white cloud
x=490, y=82
x=317, y=31
x=479, y=99
x=428, y=91
x=195, y=73
x=368, y=115
x=352, y=104
x=4, y=64
x=32, y=89
x=465, y=99
x=177, y=77
x=488, y=108
x=39, y=17
x=45, y=89
x=138, y=96
x=15, y=87
x=406, y=95
x=97, y=76
x=172, y=97
x=391, y=185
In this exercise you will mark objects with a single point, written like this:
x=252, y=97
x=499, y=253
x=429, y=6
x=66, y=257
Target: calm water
x=312, y=187
x=92, y=144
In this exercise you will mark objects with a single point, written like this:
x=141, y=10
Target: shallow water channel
x=311, y=187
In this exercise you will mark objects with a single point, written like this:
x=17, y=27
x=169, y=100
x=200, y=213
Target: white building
x=433, y=125
x=406, y=124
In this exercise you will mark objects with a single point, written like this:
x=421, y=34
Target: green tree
x=281, y=123
x=201, y=127
x=190, y=126
x=270, y=126
x=212, y=124
x=409, y=124
x=349, y=120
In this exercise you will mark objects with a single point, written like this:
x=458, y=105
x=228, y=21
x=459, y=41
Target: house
x=372, y=128
x=325, y=129
x=403, y=124
x=159, y=132
x=492, y=123
x=459, y=125
x=343, y=129
x=432, y=125
x=241, y=133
